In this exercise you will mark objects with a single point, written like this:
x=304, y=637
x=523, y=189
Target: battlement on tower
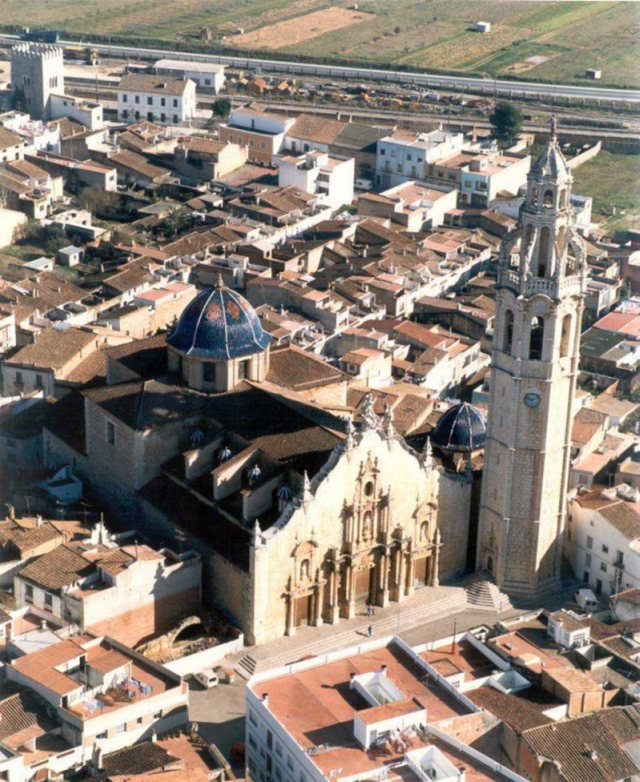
x=36, y=51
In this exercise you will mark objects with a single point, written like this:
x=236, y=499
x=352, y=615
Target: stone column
x=411, y=568
x=291, y=619
x=351, y=591
x=435, y=578
x=385, y=564
x=334, y=597
x=402, y=574
x=319, y=600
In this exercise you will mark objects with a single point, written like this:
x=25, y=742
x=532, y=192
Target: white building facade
x=317, y=173
x=156, y=99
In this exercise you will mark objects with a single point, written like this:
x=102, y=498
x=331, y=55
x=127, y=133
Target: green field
x=612, y=180
x=430, y=33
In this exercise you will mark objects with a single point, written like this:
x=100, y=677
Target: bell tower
x=534, y=367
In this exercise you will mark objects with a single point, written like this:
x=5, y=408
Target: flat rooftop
x=317, y=707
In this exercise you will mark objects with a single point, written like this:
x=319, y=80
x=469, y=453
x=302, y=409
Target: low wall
x=194, y=663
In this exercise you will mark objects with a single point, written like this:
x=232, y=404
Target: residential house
x=158, y=99
x=316, y=173
x=413, y=205
x=207, y=76
x=406, y=155
x=602, y=538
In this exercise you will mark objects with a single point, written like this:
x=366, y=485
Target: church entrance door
x=420, y=572
x=303, y=611
x=365, y=586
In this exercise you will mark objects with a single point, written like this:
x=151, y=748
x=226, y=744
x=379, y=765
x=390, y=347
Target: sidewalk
x=423, y=606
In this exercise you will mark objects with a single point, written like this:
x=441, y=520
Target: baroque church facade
x=247, y=452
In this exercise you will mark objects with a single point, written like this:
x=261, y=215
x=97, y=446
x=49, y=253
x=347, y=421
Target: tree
x=176, y=219
x=506, y=123
x=222, y=107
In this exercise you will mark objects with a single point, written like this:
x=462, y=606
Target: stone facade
x=534, y=371
x=37, y=72
x=364, y=530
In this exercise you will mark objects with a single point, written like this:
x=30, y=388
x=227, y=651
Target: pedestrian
x=370, y=631
x=369, y=610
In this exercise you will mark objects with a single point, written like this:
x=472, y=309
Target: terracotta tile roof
x=9, y=139
x=109, y=661
x=22, y=710
x=146, y=357
x=586, y=424
x=138, y=163
x=625, y=517
x=298, y=370
x=162, y=85
x=24, y=539
x=91, y=370
x=138, y=759
x=629, y=596
x=41, y=666
x=59, y=568
x=134, y=274
x=519, y=714
x=53, y=349
x=587, y=748
x=313, y=127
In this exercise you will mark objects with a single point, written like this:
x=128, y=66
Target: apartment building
x=406, y=155
x=377, y=711
x=106, y=695
x=317, y=173
x=262, y=133
x=481, y=177
x=414, y=205
x=603, y=536
x=157, y=99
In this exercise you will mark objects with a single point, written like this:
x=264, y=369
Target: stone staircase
x=483, y=594
x=424, y=606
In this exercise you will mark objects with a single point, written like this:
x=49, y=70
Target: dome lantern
x=219, y=341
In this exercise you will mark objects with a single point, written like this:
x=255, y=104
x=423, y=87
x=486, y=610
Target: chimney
x=352, y=680
x=43, y=625
x=39, y=520
x=383, y=670
x=265, y=699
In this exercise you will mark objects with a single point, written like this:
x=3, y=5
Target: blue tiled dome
x=219, y=324
x=461, y=428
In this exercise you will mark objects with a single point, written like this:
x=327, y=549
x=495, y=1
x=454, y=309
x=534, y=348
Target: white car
x=207, y=679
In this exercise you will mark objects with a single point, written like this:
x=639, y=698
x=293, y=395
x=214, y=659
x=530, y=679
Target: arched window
x=424, y=529
x=536, y=339
x=562, y=232
x=565, y=341
x=547, y=198
x=543, y=251
x=563, y=198
x=528, y=234
x=305, y=566
x=507, y=344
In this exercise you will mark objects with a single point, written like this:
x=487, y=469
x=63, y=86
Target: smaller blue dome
x=219, y=324
x=461, y=428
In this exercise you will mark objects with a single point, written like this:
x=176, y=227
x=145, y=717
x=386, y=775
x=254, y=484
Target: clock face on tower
x=532, y=399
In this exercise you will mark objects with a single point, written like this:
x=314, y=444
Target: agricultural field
x=613, y=181
x=552, y=41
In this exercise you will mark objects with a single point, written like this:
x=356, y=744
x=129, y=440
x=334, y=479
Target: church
x=250, y=454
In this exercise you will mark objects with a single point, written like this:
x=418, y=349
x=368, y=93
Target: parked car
x=207, y=678
x=586, y=599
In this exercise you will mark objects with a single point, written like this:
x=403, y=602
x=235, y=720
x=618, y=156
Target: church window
x=536, y=339
x=209, y=372
x=508, y=331
x=368, y=489
x=243, y=370
x=563, y=198
x=304, y=569
x=111, y=433
x=543, y=252
x=424, y=528
x=547, y=198
x=566, y=335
